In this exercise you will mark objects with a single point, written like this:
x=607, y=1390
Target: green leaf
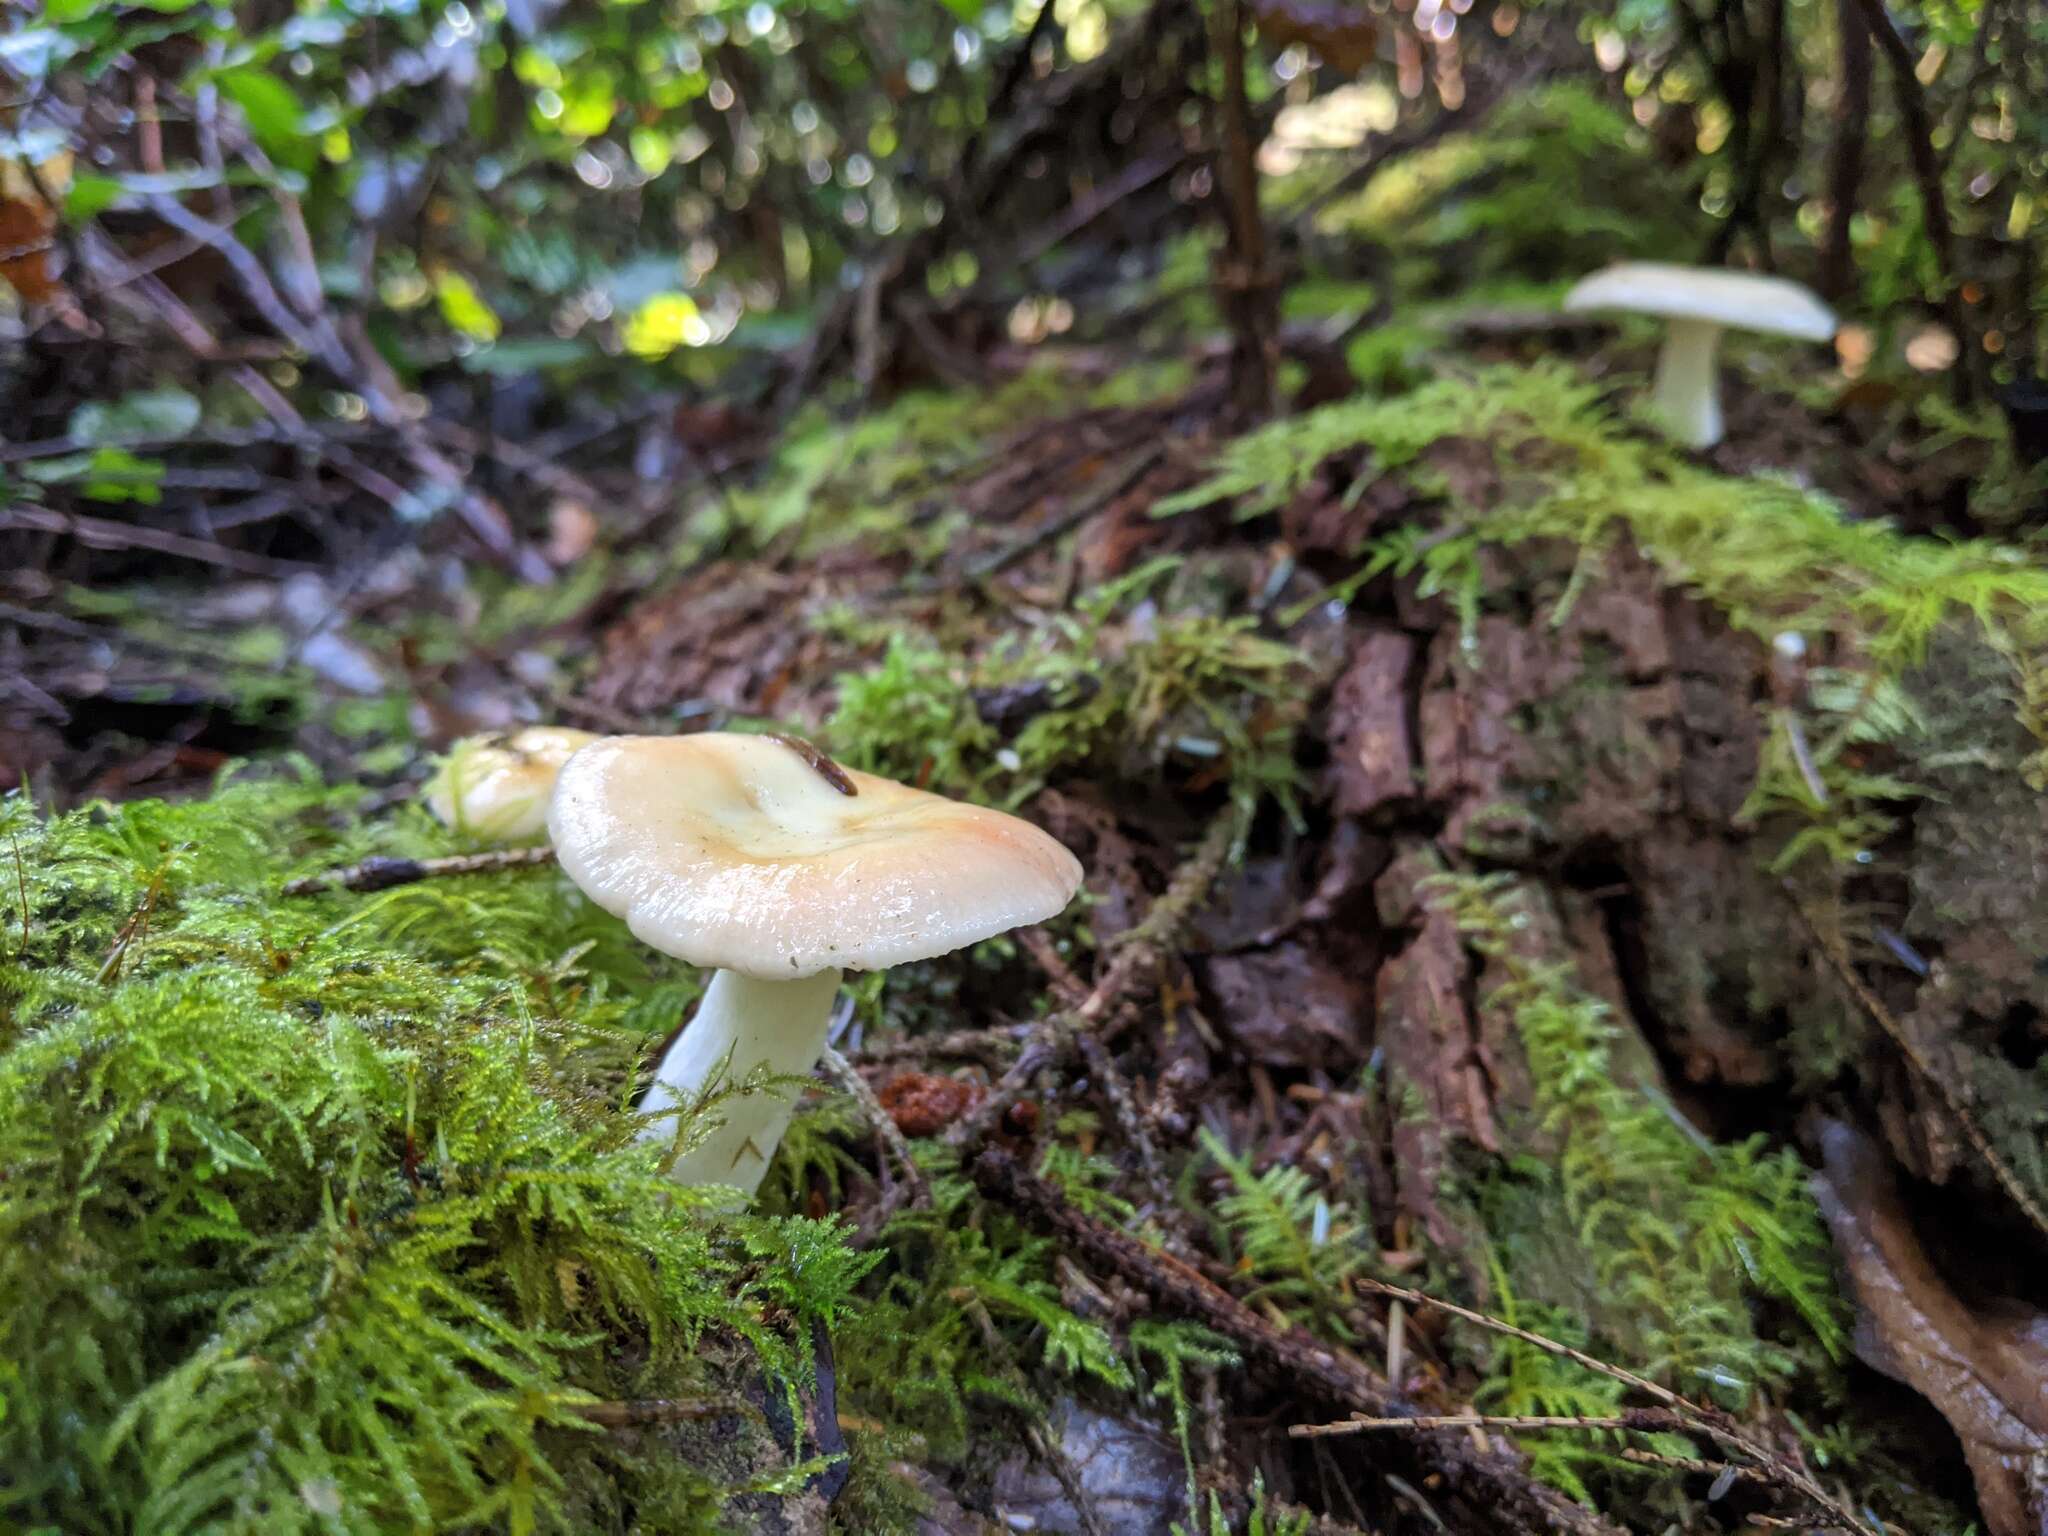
x=464, y=308
x=90, y=195
x=666, y=321
x=146, y=414
x=105, y=474
x=274, y=113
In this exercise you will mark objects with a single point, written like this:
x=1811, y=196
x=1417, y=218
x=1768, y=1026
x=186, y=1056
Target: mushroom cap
x=497, y=786
x=1740, y=300
x=736, y=852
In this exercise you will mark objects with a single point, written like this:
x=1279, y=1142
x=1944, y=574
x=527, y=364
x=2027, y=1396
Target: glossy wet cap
x=742, y=853
x=497, y=787
x=1740, y=300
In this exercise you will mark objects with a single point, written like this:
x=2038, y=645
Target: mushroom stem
x=743, y=1023
x=1688, y=390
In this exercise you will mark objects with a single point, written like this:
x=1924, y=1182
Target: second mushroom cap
x=1742, y=301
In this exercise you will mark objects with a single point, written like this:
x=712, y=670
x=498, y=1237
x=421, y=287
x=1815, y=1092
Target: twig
x=1645, y=1419
x=1495, y=1480
x=1837, y=954
x=1696, y=1418
x=993, y=1046
x=380, y=873
x=1728, y=1469
x=1105, y=490
x=135, y=930
x=1845, y=154
x=322, y=344
x=99, y=533
x=643, y=1412
x=1103, y=1069
x=849, y=1080
x=1246, y=286
x=1136, y=949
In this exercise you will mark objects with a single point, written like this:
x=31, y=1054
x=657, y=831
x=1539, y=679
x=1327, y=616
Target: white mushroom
x=755, y=856
x=497, y=787
x=1700, y=302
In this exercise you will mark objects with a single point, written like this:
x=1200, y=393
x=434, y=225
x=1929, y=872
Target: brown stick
x=1246, y=285
x=101, y=533
x=644, y=1412
x=849, y=1081
x=1641, y=1419
x=380, y=873
x=1696, y=1418
x=1845, y=154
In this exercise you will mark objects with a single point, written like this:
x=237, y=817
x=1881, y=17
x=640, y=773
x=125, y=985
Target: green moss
x=1184, y=694
x=883, y=479
x=324, y=1214
x=1631, y=1230
x=1770, y=556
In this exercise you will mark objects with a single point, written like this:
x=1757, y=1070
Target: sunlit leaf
x=663, y=323
x=464, y=308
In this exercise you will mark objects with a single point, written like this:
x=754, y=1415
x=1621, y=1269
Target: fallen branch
x=1106, y=489
x=1495, y=1483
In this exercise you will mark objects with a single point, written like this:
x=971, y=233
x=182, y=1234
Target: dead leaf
x=1289, y=1007
x=28, y=248
x=1984, y=1366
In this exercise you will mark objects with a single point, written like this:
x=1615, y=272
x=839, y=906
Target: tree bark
x=1919, y=123
x=1245, y=286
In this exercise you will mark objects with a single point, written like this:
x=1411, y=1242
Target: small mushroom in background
x=496, y=787
x=1700, y=303
x=765, y=860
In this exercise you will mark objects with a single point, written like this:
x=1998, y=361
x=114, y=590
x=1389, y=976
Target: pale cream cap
x=736, y=852
x=1743, y=301
x=497, y=787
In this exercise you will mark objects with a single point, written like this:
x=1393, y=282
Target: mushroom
x=781, y=870
x=1700, y=302
x=497, y=787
